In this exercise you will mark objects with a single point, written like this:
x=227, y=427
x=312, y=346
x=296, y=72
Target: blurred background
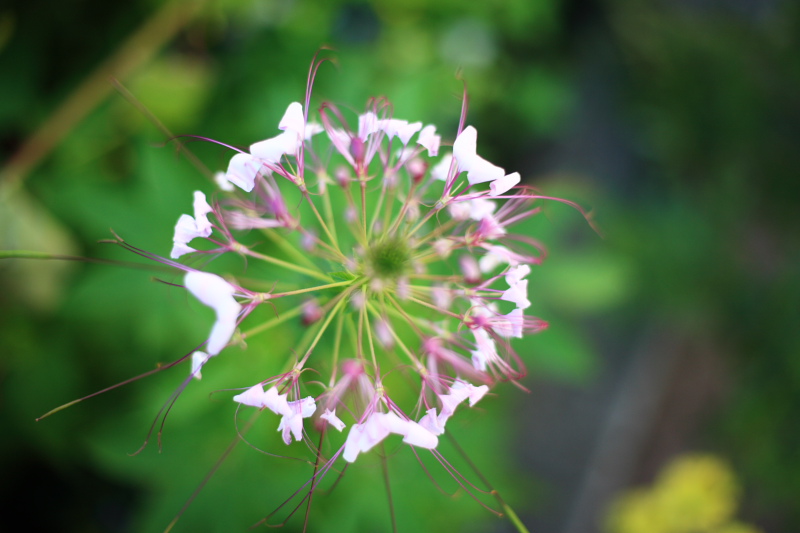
x=676, y=122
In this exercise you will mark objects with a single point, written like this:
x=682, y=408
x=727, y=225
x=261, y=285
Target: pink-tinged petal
x=363, y=437
x=368, y=123
x=216, y=293
x=392, y=126
x=271, y=150
x=497, y=255
x=276, y=402
x=400, y=128
x=352, y=446
x=239, y=220
x=479, y=360
x=224, y=327
x=254, y=397
x=185, y=230
x=450, y=402
x=201, y=211
x=431, y=422
x=416, y=435
x=517, y=321
x=487, y=350
x=242, y=171
x=459, y=210
x=518, y=294
x=429, y=139
x=442, y=168
x=472, y=392
x=198, y=360
x=481, y=171
x=464, y=147
x=478, y=169
x=502, y=185
x=470, y=269
x=408, y=131
x=383, y=331
x=306, y=407
x=291, y=425
x=341, y=141
x=390, y=422
x=442, y=297
x=480, y=208
x=293, y=119
x=179, y=249
x=222, y=181
x=312, y=128
x=489, y=229
x=515, y=274
x=332, y=419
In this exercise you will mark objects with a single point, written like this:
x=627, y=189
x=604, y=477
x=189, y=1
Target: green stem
x=284, y=245
x=274, y=322
x=312, y=289
x=342, y=298
x=285, y=264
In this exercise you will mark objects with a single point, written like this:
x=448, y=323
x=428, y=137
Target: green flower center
x=388, y=258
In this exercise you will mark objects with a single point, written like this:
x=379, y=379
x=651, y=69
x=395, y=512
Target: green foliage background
x=702, y=238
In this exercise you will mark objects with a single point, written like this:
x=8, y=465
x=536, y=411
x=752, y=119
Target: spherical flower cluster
x=389, y=259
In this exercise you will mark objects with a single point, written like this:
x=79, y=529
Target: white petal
x=198, y=360
x=432, y=423
x=222, y=182
x=242, y=171
x=201, y=210
x=332, y=419
x=449, y=404
x=276, y=402
x=502, y=185
x=416, y=435
x=271, y=150
x=464, y=147
x=459, y=210
x=515, y=274
x=429, y=139
x=473, y=393
x=291, y=425
x=497, y=255
x=352, y=445
x=293, y=119
x=440, y=171
x=480, y=208
x=178, y=249
x=518, y=294
x=306, y=407
x=391, y=422
x=368, y=124
x=517, y=321
x=223, y=328
x=479, y=360
x=391, y=126
x=400, y=128
x=312, y=128
x=254, y=397
x=216, y=293
x=480, y=171
x=185, y=230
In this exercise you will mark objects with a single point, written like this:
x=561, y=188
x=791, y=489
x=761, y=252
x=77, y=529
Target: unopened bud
x=470, y=270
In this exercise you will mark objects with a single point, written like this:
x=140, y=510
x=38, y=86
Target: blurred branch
x=136, y=51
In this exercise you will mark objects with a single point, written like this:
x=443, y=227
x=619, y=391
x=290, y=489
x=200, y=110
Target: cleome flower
x=392, y=252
